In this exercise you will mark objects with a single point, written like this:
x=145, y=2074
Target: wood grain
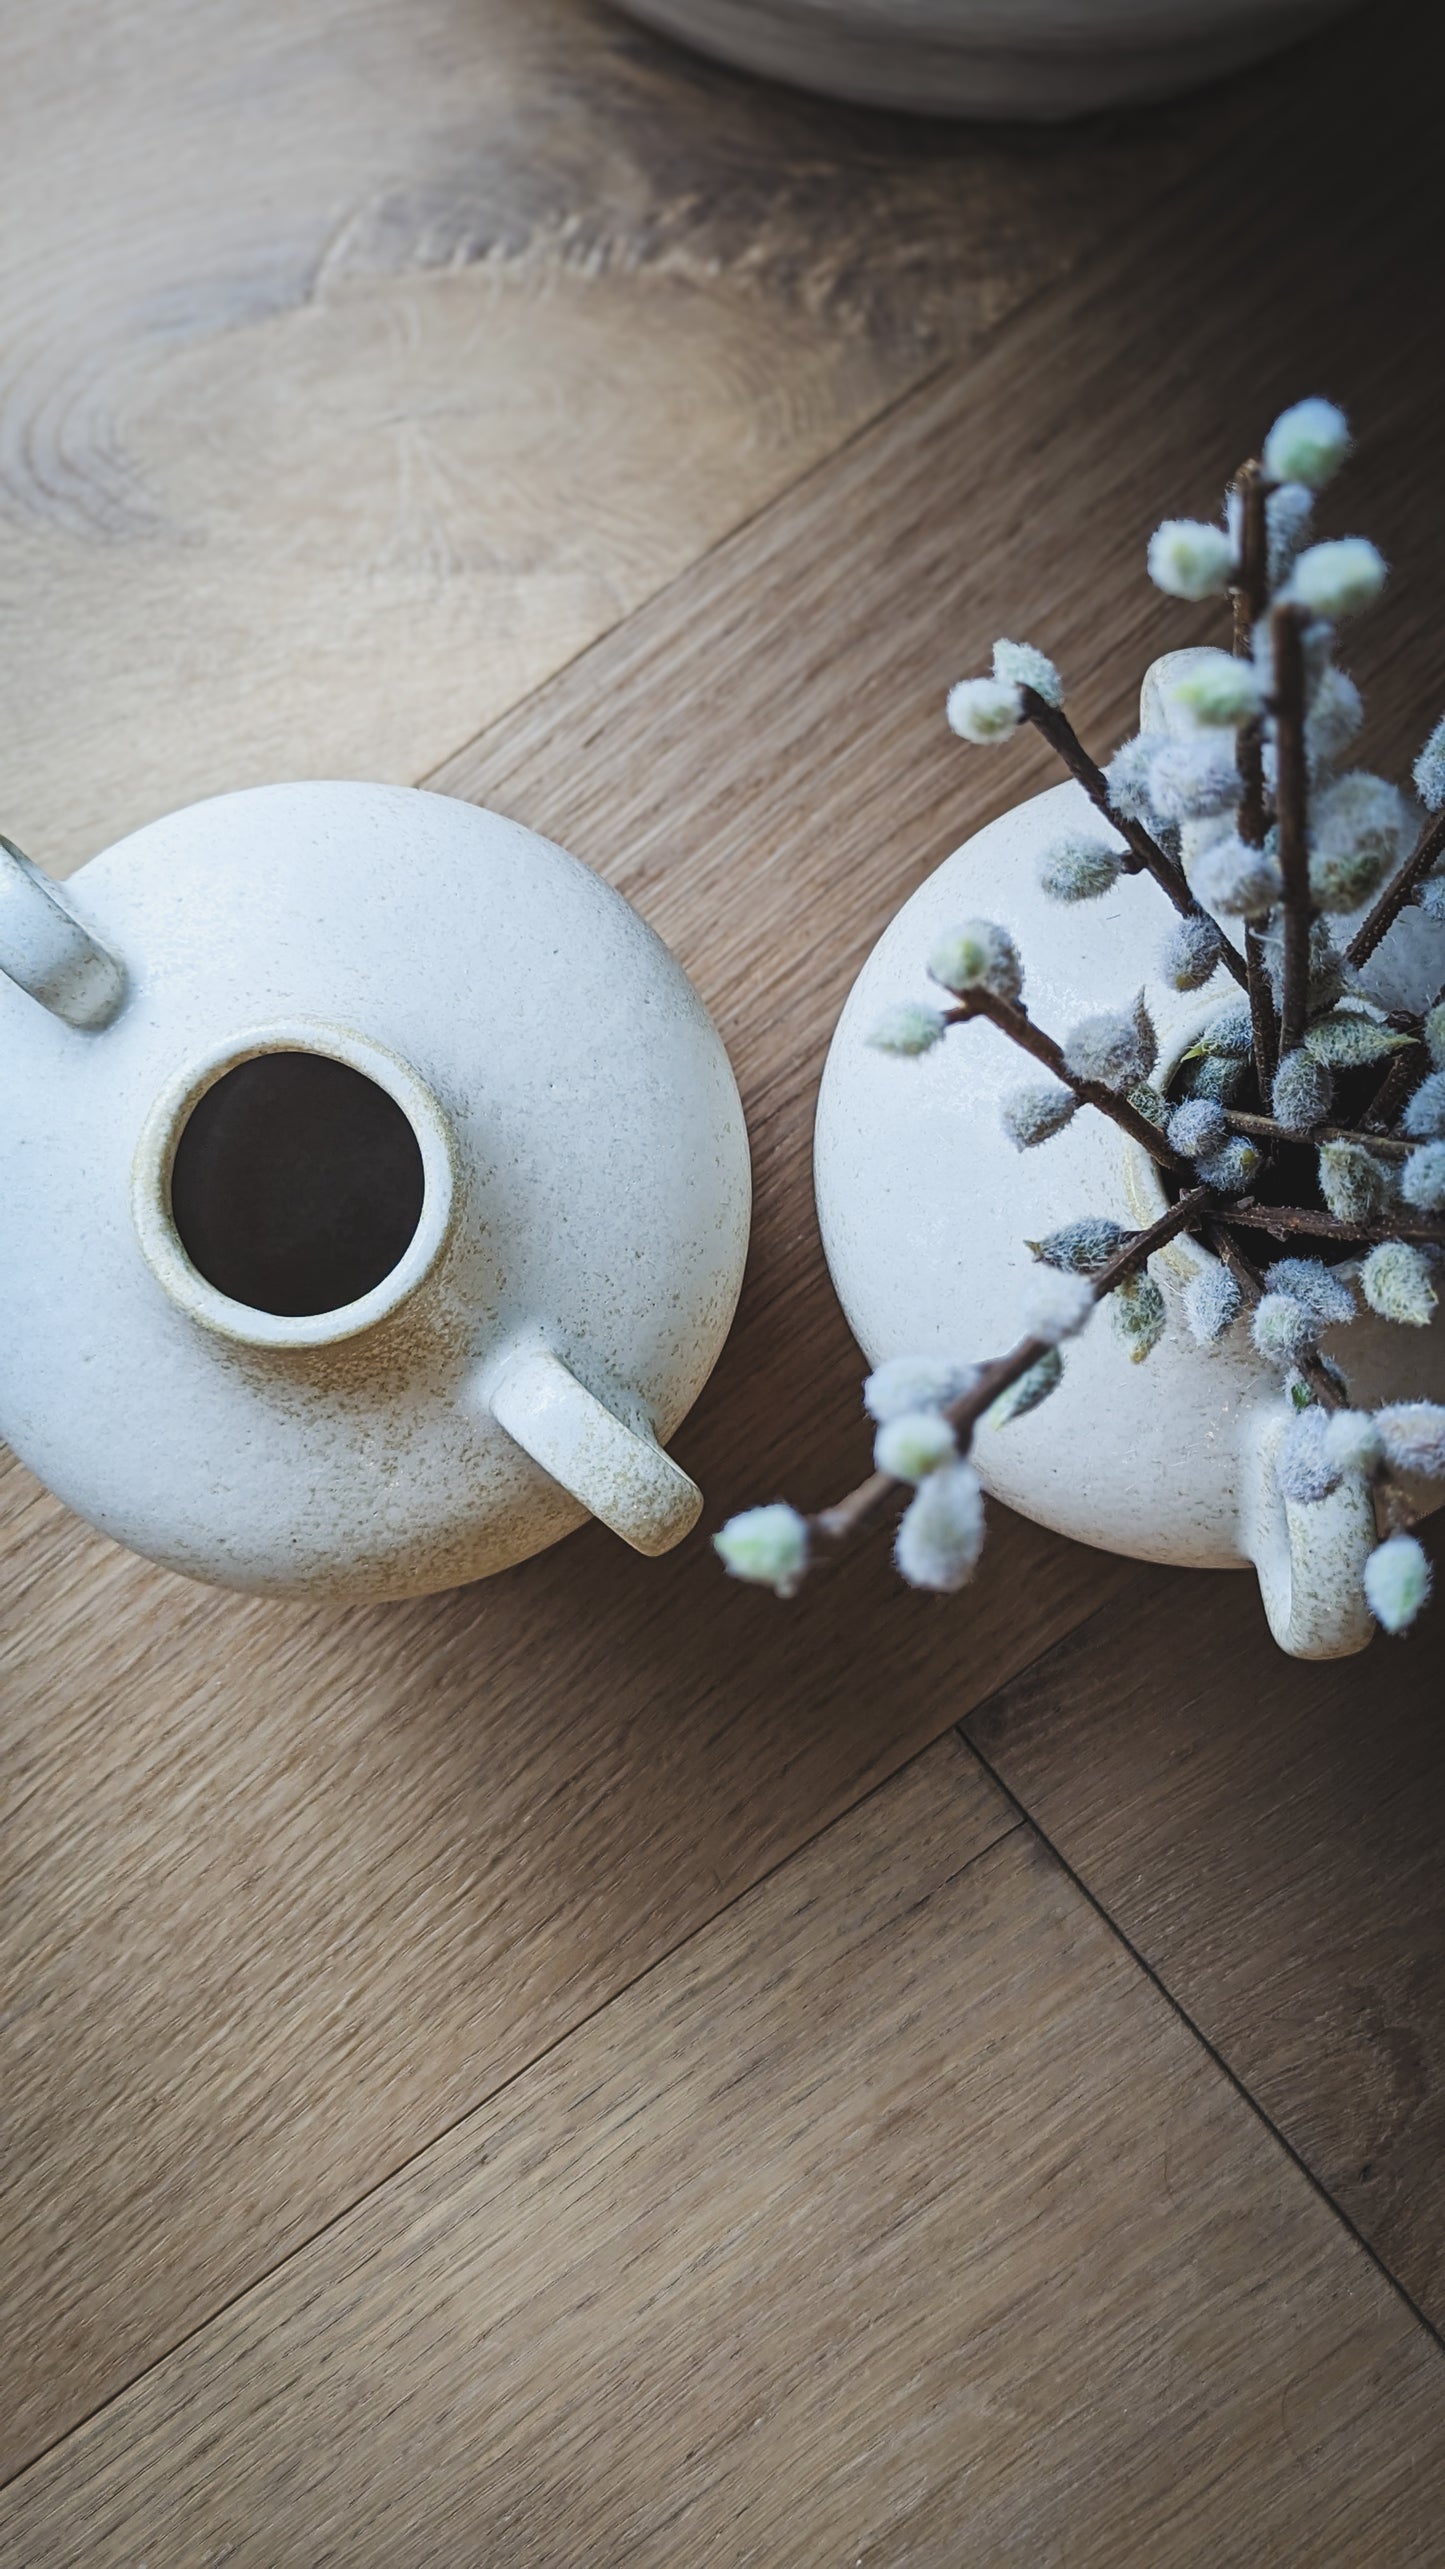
x=1271, y=1837
x=288, y=1892
x=364, y=361
x=896, y=2219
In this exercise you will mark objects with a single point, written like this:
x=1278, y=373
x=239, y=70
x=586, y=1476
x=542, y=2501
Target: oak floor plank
x=288, y=1891
x=362, y=360
x=896, y=2219
x=1271, y=1838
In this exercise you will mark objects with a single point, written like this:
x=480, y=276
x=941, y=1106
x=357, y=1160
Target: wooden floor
x=601, y=2068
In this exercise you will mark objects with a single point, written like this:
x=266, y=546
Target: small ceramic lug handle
x=622, y=1477
x=1311, y=1555
x=46, y=950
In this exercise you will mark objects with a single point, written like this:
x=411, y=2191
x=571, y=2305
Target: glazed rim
x=155, y=1157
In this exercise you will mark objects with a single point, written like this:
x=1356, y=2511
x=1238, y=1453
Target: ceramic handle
x=1310, y=1555
x=46, y=950
x=620, y=1476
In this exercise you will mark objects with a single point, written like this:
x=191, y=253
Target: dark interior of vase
x=297, y=1184
x=1290, y=1173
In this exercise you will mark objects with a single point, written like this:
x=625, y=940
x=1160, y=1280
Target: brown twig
x=1263, y=1023
x=1377, y=922
x=1291, y=806
x=837, y=1523
x=1284, y=1220
x=1251, y=596
x=1392, y=1092
x=1263, y=1128
x=1015, y=1022
x=1250, y=592
x=1149, y=856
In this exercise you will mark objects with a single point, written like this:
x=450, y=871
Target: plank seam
x=1193, y=2027
x=482, y=2104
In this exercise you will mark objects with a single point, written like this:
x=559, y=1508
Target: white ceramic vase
x=927, y=1208
x=1036, y=59
x=376, y=1194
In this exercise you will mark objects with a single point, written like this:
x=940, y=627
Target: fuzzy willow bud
x=1397, y=1582
x=1395, y=1280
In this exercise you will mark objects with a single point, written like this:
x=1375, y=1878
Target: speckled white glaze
x=927, y=1209
x=583, y=1228
x=1038, y=59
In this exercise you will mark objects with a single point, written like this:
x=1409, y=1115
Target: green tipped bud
x=1029, y=1390
x=941, y=1533
x=1339, y=578
x=978, y=956
x=1081, y=1247
x=1034, y=1114
x=1308, y=443
x=983, y=711
x=768, y=1546
x=1139, y=1315
x=1190, y=560
x=912, y=1446
x=1348, y=1040
x=1191, y=953
x=908, y=1028
x=1303, y=1092
x=1018, y=664
x=1396, y=1282
x=1354, y=1184
x=1220, y=690
x=1079, y=869
x=1212, y=1302
x=1397, y=1582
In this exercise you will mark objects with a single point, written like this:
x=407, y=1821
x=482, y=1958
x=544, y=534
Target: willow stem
x=1285, y=1219
x=1263, y=1128
x=1149, y=856
x=1291, y=803
x=1392, y=900
x=837, y=1523
x=1391, y=1094
x=1015, y=1022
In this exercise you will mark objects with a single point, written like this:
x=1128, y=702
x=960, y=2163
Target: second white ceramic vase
x=927, y=1209
x=1035, y=59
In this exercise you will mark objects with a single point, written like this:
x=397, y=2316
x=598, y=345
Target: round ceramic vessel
x=927, y=1209
x=581, y=1171
x=1036, y=59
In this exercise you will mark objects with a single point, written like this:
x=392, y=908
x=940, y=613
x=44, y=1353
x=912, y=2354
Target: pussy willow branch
x=1016, y=1023
x=1377, y=922
x=1395, y=1511
x=1250, y=592
x=1262, y=1128
x=837, y=1523
x=1391, y=1094
x=1285, y=1219
x=1149, y=856
x=1291, y=806
x=1251, y=596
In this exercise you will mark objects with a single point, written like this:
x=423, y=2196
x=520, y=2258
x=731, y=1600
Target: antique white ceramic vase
x=375, y=1194
x=1040, y=59
x=927, y=1209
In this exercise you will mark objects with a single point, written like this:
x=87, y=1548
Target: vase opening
x=297, y=1184
x=294, y=1187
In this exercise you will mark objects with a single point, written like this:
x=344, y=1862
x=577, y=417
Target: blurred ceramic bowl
x=1038, y=59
